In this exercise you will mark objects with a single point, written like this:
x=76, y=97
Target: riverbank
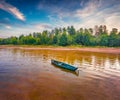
x=84, y=49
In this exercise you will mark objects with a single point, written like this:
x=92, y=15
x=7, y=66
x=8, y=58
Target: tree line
x=68, y=36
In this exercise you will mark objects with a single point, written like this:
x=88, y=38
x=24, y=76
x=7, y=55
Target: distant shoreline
x=84, y=49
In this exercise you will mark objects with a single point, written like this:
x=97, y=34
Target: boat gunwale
x=70, y=67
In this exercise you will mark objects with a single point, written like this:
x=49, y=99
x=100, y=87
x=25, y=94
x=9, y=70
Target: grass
x=56, y=46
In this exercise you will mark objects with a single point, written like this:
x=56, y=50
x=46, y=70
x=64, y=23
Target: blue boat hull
x=64, y=65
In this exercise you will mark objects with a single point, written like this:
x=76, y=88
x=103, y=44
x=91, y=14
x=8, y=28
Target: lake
x=29, y=75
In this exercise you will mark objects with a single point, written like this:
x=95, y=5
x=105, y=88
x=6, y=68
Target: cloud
x=5, y=23
x=26, y=29
x=43, y=26
x=63, y=13
x=88, y=9
x=113, y=21
x=60, y=8
x=8, y=27
x=12, y=10
x=91, y=13
x=57, y=21
x=34, y=27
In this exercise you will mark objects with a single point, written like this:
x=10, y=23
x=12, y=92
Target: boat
x=64, y=65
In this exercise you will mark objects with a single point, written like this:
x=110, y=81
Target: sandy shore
x=88, y=49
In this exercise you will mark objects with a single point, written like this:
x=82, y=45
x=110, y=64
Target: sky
x=27, y=16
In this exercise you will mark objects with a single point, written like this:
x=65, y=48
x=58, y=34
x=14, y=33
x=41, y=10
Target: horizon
x=27, y=16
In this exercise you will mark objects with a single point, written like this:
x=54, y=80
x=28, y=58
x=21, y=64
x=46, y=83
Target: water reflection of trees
x=86, y=60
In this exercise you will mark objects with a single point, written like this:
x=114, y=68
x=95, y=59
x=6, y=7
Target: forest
x=99, y=36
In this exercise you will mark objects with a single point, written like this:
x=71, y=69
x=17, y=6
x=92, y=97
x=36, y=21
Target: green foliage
x=83, y=38
x=37, y=41
x=63, y=40
x=113, y=40
x=104, y=40
x=93, y=41
x=0, y=41
x=55, y=39
x=64, y=37
x=71, y=30
x=70, y=39
x=13, y=40
x=79, y=38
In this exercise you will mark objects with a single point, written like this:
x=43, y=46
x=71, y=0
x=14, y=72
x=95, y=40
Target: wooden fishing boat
x=63, y=65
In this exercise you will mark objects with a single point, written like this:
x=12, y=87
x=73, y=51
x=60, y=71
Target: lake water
x=29, y=75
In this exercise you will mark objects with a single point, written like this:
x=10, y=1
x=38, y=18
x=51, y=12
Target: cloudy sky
x=27, y=16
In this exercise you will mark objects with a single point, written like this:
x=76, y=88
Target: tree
x=13, y=40
x=70, y=40
x=71, y=30
x=55, y=39
x=78, y=38
x=103, y=40
x=37, y=41
x=118, y=40
x=44, y=37
x=100, y=29
x=56, y=31
x=93, y=41
x=69, y=36
x=0, y=41
x=81, y=30
x=91, y=31
x=63, y=40
x=112, y=41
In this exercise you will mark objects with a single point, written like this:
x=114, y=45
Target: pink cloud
x=12, y=10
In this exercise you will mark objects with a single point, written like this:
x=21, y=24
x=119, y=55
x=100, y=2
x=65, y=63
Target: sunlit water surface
x=29, y=75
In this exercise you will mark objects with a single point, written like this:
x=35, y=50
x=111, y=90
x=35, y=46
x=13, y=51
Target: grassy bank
x=78, y=48
x=56, y=46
